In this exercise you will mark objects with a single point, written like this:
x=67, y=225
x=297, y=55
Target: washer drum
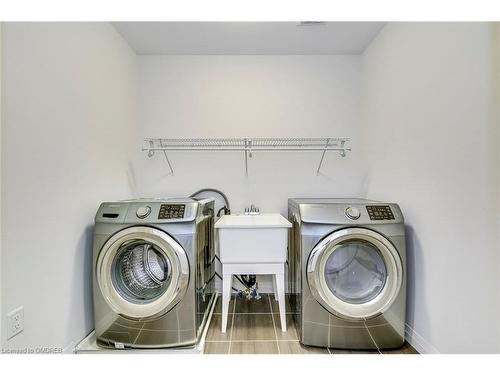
x=144, y=271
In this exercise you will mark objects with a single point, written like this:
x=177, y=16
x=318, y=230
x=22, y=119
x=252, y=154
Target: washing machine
x=153, y=276
x=347, y=273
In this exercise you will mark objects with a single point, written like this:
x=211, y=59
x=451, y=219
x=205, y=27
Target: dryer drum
x=355, y=272
x=143, y=271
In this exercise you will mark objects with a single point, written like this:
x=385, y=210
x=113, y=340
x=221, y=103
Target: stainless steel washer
x=347, y=273
x=153, y=272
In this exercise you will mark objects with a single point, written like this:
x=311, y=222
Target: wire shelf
x=241, y=144
x=246, y=145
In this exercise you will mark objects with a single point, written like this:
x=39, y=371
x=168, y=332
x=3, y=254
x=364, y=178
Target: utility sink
x=252, y=238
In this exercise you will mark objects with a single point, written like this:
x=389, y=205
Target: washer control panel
x=172, y=211
x=380, y=212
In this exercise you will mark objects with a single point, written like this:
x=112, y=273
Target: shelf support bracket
x=342, y=145
x=150, y=151
x=323, y=156
x=246, y=157
x=168, y=160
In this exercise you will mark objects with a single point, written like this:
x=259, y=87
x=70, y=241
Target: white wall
x=495, y=45
x=430, y=145
x=1, y=131
x=69, y=99
x=249, y=96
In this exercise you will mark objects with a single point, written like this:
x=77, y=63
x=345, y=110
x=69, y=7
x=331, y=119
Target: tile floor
x=254, y=328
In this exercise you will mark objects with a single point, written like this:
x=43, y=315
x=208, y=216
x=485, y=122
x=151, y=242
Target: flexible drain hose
x=226, y=201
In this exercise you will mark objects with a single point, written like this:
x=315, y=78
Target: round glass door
x=142, y=272
x=355, y=273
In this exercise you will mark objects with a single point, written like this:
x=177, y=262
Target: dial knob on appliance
x=143, y=212
x=352, y=213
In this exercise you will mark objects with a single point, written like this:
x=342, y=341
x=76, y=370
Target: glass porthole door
x=142, y=272
x=355, y=273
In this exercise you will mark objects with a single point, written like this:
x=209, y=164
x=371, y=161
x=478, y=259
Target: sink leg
x=275, y=288
x=280, y=283
x=226, y=297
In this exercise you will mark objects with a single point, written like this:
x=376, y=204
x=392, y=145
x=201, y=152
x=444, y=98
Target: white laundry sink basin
x=252, y=238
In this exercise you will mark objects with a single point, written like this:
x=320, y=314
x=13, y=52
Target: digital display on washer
x=380, y=213
x=171, y=211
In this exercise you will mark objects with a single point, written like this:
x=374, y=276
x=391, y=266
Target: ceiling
x=248, y=38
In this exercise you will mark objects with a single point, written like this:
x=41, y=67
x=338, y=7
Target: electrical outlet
x=15, y=322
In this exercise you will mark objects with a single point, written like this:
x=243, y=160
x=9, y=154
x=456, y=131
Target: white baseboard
x=420, y=344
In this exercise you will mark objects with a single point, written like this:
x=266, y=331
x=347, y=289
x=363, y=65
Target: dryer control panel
x=171, y=211
x=380, y=212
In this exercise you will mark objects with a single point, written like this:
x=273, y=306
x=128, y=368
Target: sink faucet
x=252, y=210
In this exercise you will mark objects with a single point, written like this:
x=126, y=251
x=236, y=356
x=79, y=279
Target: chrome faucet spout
x=252, y=210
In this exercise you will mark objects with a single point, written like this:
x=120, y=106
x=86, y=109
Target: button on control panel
x=352, y=213
x=143, y=212
x=380, y=213
x=171, y=211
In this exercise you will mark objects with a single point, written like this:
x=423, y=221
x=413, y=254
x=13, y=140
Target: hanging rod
x=246, y=145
